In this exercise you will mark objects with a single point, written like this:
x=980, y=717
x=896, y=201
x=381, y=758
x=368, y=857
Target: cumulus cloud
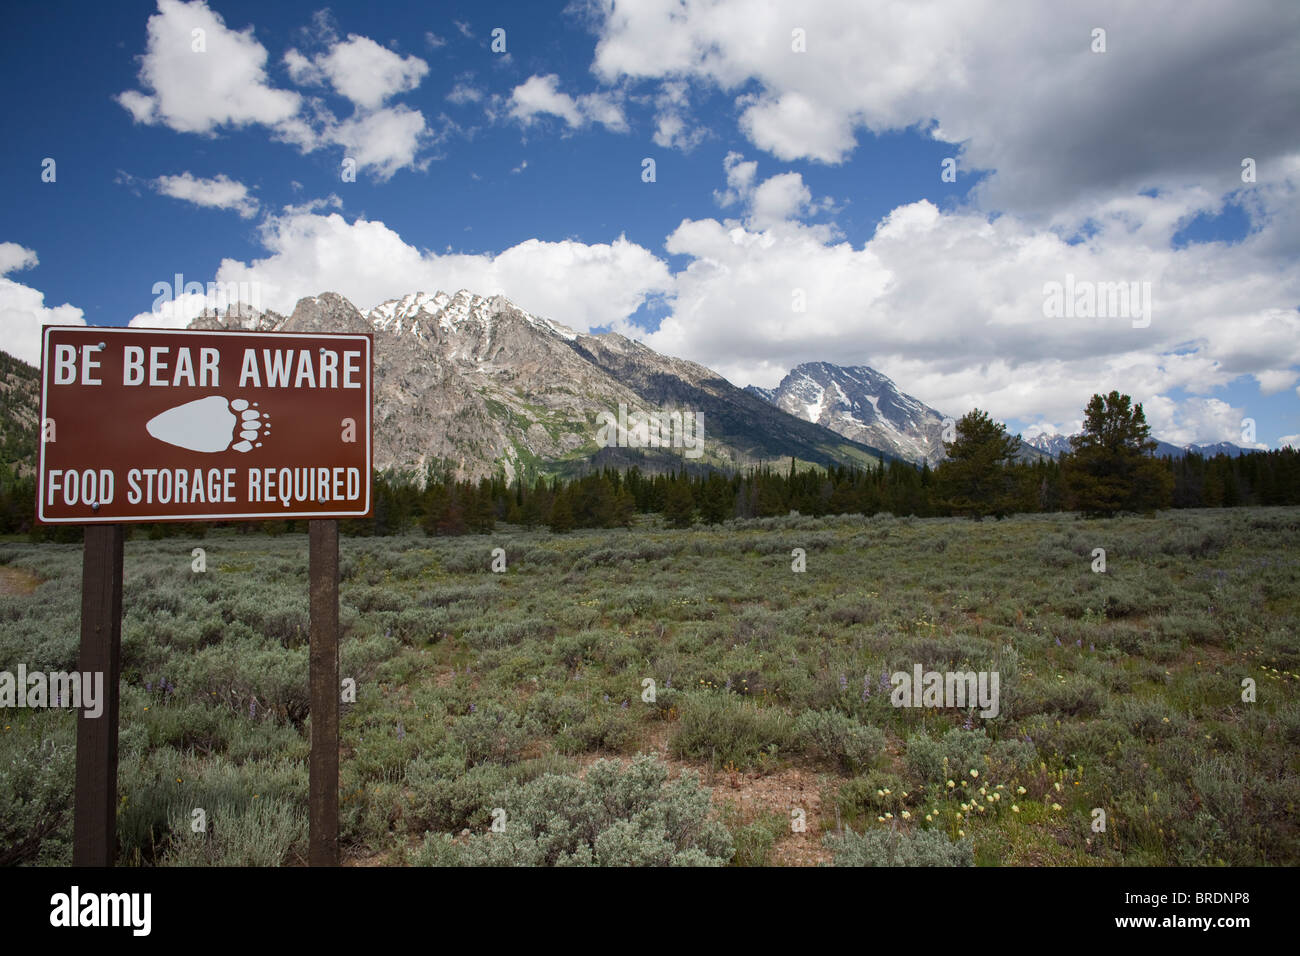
x=220, y=192
x=23, y=310
x=582, y=285
x=951, y=306
x=541, y=95
x=1015, y=85
x=360, y=70
x=202, y=83
x=197, y=82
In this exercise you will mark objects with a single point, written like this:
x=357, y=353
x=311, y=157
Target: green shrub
x=834, y=736
x=728, y=730
x=892, y=847
x=612, y=817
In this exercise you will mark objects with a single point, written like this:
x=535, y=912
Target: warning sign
x=153, y=425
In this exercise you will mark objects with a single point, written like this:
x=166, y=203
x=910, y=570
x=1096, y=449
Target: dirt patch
x=17, y=581
x=751, y=795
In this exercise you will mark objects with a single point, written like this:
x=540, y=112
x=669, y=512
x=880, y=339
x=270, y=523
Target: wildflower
x=951, y=785
x=889, y=816
x=997, y=796
x=988, y=799
x=1057, y=785
x=1056, y=806
x=880, y=793
x=624, y=705
x=844, y=682
x=975, y=773
x=906, y=815
x=1058, y=642
x=929, y=818
x=1014, y=808
x=1020, y=790
x=961, y=833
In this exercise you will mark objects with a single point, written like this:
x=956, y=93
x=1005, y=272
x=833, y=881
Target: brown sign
x=153, y=425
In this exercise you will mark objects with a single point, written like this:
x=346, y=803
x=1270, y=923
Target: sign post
x=148, y=425
x=94, y=829
x=323, y=841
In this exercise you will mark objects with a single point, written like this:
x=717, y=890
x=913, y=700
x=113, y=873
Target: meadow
x=520, y=698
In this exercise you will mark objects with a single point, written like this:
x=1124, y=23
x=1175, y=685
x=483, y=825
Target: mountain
x=20, y=401
x=473, y=384
x=1056, y=445
x=862, y=404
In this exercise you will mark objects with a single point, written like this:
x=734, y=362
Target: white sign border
x=368, y=478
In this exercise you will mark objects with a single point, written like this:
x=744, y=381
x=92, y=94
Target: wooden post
x=324, y=785
x=95, y=803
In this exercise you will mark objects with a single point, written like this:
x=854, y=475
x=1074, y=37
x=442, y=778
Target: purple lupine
x=884, y=681
x=970, y=722
x=1079, y=643
x=148, y=686
x=624, y=705
x=668, y=683
x=1058, y=642
x=472, y=708
x=727, y=686
x=866, y=689
x=252, y=709
x=1092, y=647
x=844, y=682
x=607, y=698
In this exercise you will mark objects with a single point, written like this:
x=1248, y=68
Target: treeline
x=609, y=498
x=1109, y=470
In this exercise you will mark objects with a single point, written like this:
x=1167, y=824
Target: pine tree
x=679, y=504
x=1111, y=468
x=974, y=480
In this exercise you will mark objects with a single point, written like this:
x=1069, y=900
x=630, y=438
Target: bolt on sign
x=154, y=425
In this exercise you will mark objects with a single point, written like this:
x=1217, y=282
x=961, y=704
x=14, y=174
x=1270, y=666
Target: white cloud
x=359, y=69
x=463, y=93
x=582, y=285
x=1014, y=83
x=220, y=192
x=15, y=258
x=673, y=129
x=227, y=85
x=950, y=305
x=23, y=310
x=197, y=92
x=385, y=141
x=540, y=95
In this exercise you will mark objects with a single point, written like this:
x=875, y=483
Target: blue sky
x=797, y=157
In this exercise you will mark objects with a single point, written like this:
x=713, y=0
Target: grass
x=1120, y=692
